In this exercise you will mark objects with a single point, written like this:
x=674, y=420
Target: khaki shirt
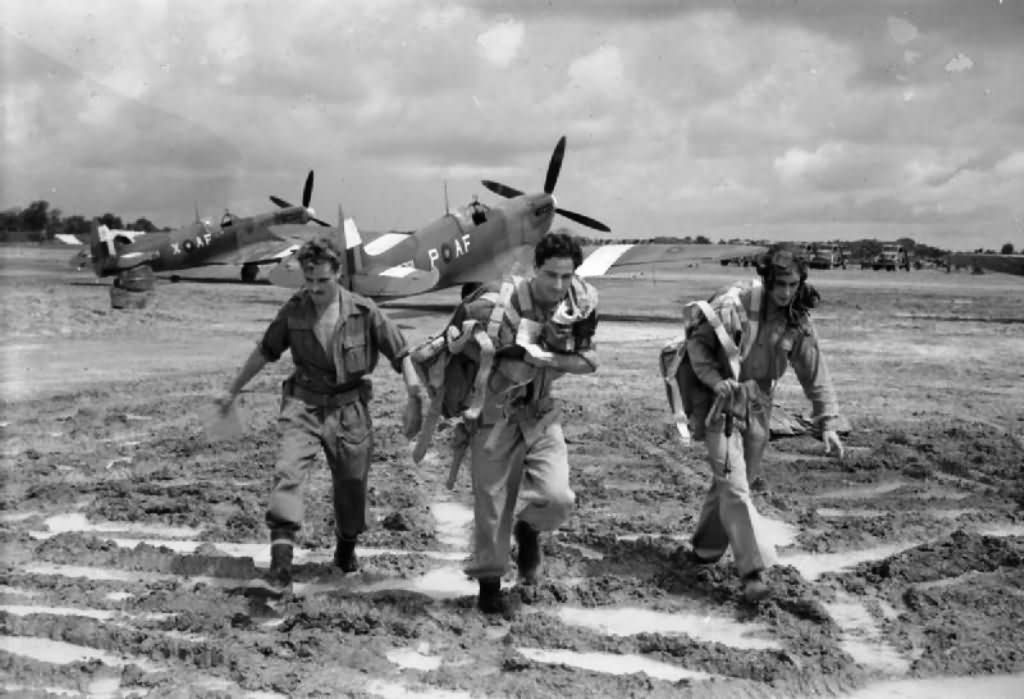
x=778, y=344
x=364, y=333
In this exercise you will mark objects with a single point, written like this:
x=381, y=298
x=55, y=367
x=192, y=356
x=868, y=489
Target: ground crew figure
x=335, y=337
x=516, y=445
x=762, y=327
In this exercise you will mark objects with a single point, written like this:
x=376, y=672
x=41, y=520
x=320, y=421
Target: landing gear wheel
x=249, y=273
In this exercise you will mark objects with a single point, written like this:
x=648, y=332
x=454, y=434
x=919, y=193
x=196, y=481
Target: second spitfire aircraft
x=248, y=241
x=479, y=243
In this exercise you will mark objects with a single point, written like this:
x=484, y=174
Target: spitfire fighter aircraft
x=480, y=243
x=247, y=241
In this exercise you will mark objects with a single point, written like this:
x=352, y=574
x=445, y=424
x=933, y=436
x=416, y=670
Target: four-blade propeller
x=307, y=194
x=554, y=168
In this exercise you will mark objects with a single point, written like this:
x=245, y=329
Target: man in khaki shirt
x=335, y=337
x=784, y=336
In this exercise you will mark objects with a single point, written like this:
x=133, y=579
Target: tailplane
x=102, y=248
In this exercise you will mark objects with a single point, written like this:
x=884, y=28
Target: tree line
x=39, y=222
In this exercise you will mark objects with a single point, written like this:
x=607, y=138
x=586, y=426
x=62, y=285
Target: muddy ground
x=125, y=532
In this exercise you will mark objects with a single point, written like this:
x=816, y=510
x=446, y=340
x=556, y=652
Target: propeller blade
x=554, y=166
x=320, y=221
x=280, y=202
x=583, y=220
x=307, y=190
x=502, y=189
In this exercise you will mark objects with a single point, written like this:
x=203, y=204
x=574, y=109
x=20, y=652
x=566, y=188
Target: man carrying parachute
x=493, y=368
x=722, y=376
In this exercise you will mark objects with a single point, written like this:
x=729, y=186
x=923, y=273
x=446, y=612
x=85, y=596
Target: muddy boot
x=694, y=560
x=490, y=600
x=528, y=557
x=754, y=587
x=277, y=582
x=345, y=554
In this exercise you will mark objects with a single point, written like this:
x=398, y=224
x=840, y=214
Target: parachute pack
x=735, y=325
x=481, y=351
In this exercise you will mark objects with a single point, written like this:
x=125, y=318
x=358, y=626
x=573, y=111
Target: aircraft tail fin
x=101, y=247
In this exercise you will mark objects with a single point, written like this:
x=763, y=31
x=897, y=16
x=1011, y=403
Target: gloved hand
x=832, y=443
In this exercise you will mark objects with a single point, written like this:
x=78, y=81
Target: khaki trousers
x=537, y=472
x=345, y=435
x=728, y=516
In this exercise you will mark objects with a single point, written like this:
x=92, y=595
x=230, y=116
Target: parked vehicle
x=891, y=258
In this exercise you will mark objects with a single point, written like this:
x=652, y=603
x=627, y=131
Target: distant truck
x=827, y=257
x=891, y=258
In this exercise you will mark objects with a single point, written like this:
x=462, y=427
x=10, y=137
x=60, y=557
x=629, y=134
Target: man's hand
x=536, y=356
x=224, y=400
x=726, y=388
x=833, y=445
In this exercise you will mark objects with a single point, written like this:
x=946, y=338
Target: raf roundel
x=189, y=245
x=446, y=252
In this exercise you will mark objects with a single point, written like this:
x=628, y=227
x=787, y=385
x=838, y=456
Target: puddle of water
x=1002, y=530
x=627, y=621
x=814, y=565
x=775, y=532
x=7, y=590
x=393, y=690
x=440, y=583
x=7, y=517
x=61, y=653
x=862, y=638
x=119, y=596
x=860, y=491
x=453, y=523
x=614, y=664
x=414, y=658
x=78, y=522
x=26, y=609
x=838, y=513
x=988, y=686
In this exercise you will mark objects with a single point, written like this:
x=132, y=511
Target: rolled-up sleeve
x=808, y=364
x=388, y=338
x=275, y=339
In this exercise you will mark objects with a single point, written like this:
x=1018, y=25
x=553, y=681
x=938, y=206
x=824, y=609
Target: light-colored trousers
x=728, y=516
x=345, y=435
x=537, y=472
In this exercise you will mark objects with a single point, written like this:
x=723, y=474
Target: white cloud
x=500, y=44
x=900, y=30
x=1012, y=165
x=600, y=72
x=959, y=63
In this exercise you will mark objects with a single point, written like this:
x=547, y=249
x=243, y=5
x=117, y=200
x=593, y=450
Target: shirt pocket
x=356, y=347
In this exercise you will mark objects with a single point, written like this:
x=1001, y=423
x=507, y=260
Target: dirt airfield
x=125, y=532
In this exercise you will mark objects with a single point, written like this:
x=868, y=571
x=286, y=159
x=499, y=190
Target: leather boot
x=490, y=600
x=345, y=554
x=278, y=580
x=528, y=557
x=754, y=587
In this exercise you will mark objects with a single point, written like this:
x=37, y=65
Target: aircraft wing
x=599, y=260
x=289, y=237
x=1007, y=264
x=376, y=282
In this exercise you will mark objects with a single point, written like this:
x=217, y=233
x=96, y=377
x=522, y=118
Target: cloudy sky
x=783, y=119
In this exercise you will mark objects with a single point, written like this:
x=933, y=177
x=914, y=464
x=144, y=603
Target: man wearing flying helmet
x=739, y=345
